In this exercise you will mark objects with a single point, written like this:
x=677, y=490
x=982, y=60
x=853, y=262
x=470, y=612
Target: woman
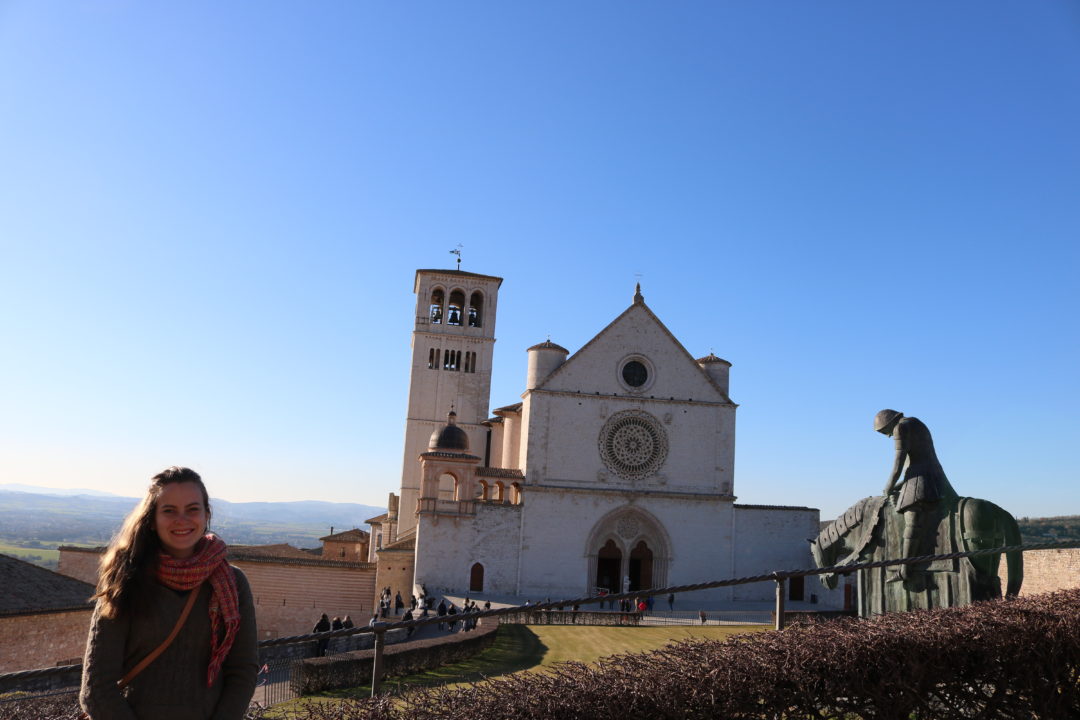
x=161, y=555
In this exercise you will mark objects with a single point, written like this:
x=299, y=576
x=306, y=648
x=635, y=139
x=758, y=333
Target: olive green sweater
x=173, y=687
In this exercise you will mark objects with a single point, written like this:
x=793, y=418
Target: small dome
x=548, y=345
x=711, y=359
x=449, y=438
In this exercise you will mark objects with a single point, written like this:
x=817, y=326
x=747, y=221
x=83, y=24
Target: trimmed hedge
x=1015, y=658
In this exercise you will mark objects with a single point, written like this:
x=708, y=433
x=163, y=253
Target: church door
x=608, y=564
x=476, y=578
x=641, y=567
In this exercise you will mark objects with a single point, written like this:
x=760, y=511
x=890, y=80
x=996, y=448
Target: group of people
x=325, y=624
x=385, y=603
x=448, y=613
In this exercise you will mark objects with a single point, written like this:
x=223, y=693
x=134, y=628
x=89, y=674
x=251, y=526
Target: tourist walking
x=163, y=572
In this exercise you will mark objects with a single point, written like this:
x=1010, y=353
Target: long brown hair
x=130, y=563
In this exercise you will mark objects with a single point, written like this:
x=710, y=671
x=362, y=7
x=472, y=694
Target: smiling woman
x=165, y=576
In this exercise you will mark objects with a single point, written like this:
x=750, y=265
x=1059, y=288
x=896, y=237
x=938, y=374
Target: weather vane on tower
x=458, y=253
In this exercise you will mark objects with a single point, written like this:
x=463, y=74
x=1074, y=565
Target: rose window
x=633, y=444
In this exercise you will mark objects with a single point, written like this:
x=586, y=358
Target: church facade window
x=476, y=309
x=633, y=444
x=435, y=313
x=636, y=373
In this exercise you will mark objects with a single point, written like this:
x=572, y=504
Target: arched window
x=515, y=493
x=456, y=308
x=482, y=491
x=476, y=578
x=448, y=487
x=436, y=306
x=476, y=309
x=500, y=491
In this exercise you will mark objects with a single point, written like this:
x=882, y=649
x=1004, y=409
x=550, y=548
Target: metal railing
x=779, y=577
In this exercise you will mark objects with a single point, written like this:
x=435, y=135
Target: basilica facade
x=614, y=471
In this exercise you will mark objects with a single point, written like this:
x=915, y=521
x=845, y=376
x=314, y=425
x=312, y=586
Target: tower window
x=436, y=306
x=456, y=308
x=470, y=362
x=433, y=359
x=452, y=360
x=476, y=309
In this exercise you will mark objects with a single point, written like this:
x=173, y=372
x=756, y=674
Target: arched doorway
x=608, y=564
x=476, y=578
x=640, y=567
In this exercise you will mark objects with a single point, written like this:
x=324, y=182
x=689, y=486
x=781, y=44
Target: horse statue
x=872, y=529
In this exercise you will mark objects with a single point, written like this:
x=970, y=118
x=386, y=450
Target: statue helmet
x=885, y=418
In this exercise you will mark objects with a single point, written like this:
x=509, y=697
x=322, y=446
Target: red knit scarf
x=208, y=562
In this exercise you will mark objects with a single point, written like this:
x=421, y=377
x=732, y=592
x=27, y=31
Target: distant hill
x=38, y=490
x=1051, y=529
x=47, y=519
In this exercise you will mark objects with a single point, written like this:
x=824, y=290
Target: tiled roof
x=26, y=588
x=773, y=507
x=280, y=550
x=378, y=519
x=408, y=543
x=500, y=472
x=354, y=535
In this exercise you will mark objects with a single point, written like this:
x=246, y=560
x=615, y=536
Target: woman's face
x=180, y=518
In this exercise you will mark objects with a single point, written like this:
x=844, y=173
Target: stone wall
x=79, y=563
x=1047, y=571
x=289, y=598
x=395, y=572
x=43, y=639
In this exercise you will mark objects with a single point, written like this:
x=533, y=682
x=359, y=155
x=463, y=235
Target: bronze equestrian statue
x=920, y=514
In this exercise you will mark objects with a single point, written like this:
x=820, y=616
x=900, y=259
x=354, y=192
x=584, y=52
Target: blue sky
x=210, y=215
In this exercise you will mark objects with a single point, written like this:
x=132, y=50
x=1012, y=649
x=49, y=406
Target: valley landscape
x=34, y=521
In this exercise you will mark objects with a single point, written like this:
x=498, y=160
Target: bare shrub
x=1017, y=658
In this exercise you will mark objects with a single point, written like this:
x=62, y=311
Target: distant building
x=615, y=470
x=350, y=545
x=44, y=616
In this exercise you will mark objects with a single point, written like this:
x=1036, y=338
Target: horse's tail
x=1015, y=559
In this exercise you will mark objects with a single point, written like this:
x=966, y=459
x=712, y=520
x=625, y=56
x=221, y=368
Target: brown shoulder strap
x=123, y=682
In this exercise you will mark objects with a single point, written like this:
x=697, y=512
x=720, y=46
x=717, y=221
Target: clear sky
x=210, y=216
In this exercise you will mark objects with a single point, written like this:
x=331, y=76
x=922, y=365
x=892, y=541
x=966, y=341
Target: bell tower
x=452, y=345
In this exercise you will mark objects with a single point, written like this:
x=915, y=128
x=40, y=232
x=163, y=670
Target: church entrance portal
x=641, y=567
x=608, y=564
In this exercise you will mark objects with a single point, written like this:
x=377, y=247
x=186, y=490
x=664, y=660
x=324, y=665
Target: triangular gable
x=636, y=330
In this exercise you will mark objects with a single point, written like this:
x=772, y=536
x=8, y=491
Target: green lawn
x=39, y=556
x=46, y=556
x=533, y=647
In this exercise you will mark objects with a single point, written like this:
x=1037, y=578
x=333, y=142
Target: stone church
x=615, y=470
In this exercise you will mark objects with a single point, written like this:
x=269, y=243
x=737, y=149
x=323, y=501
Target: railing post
x=376, y=670
x=780, y=587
